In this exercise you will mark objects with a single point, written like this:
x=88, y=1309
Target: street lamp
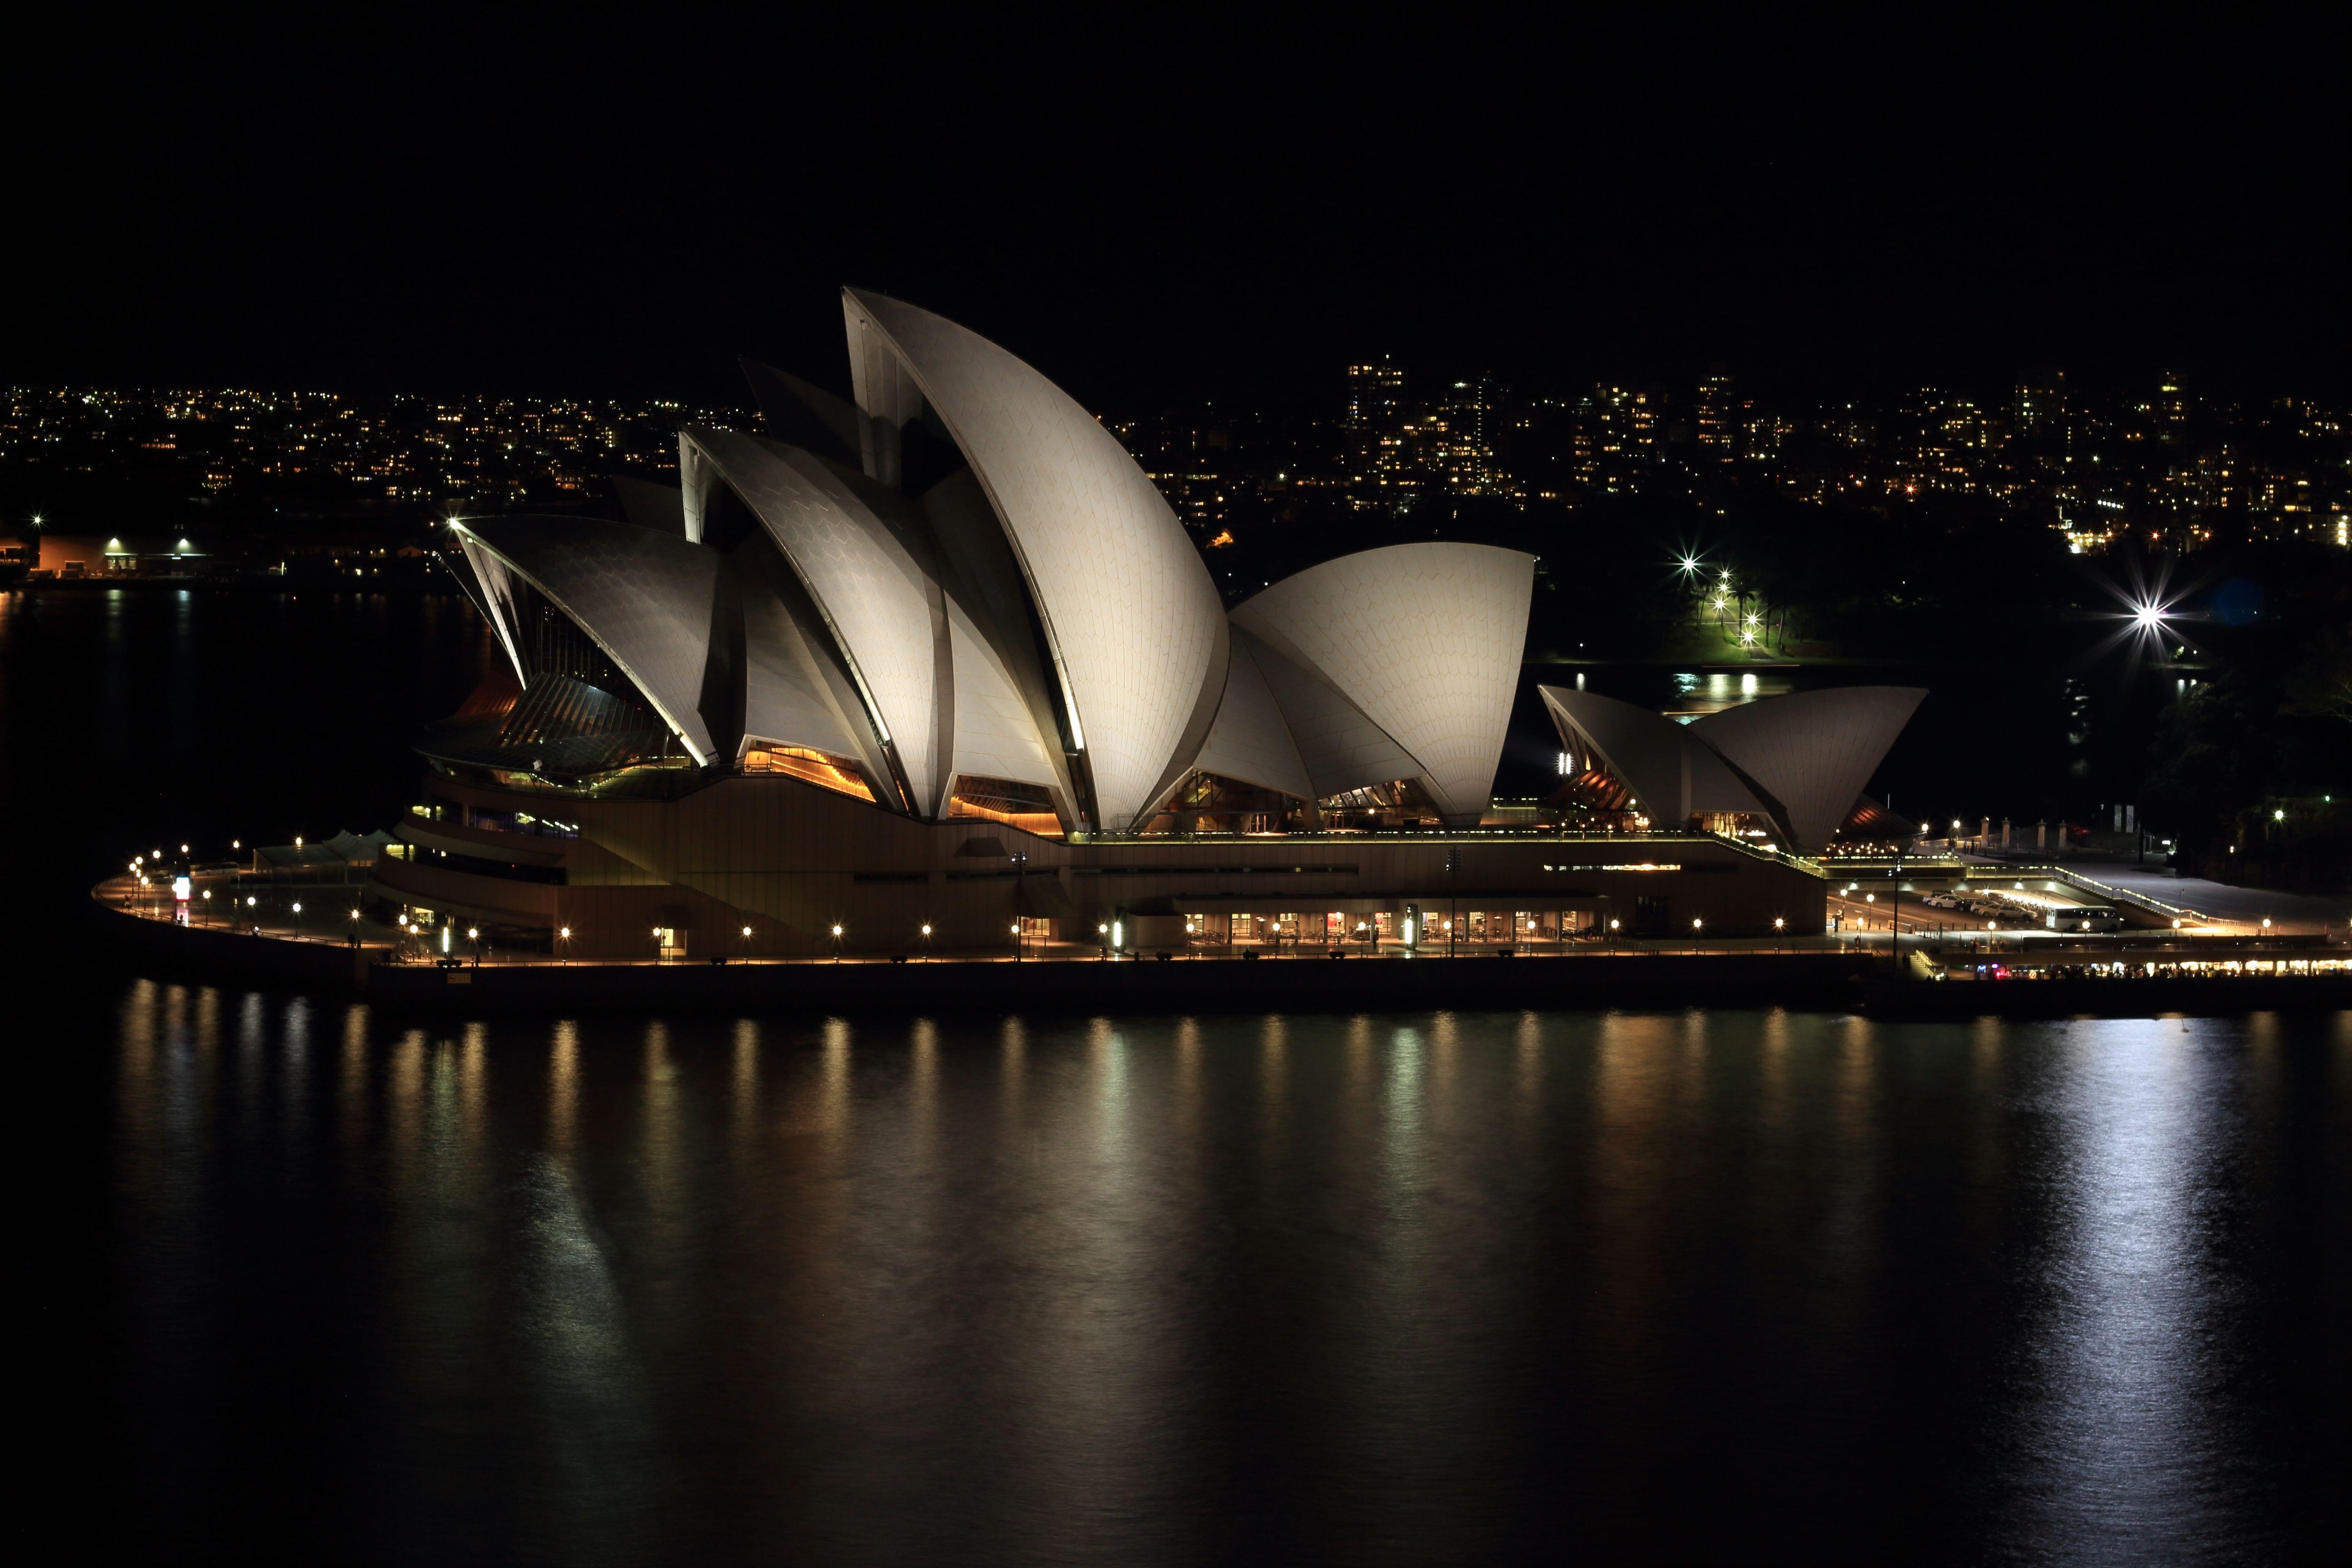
x=563, y=944
x=1016, y=942
x=836, y=942
x=927, y=941
x=1778, y=924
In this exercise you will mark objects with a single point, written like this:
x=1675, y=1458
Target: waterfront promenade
x=325, y=944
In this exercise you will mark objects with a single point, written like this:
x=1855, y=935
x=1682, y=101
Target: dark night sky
x=424, y=203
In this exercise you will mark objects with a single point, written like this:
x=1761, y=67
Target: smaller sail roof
x=1425, y=641
x=1812, y=752
x=643, y=598
x=1671, y=772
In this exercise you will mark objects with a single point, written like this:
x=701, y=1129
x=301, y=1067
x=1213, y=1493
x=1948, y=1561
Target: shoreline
x=1835, y=981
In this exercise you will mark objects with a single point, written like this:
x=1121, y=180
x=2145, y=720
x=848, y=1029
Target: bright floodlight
x=2149, y=616
x=1690, y=563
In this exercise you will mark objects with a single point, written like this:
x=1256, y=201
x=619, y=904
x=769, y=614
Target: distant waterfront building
x=1616, y=439
x=2038, y=409
x=1454, y=440
x=1380, y=462
x=1715, y=426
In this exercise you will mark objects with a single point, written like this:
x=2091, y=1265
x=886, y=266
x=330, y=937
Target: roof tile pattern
x=1425, y=640
x=877, y=601
x=994, y=737
x=1813, y=752
x=1129, y=607
x=1250, y=741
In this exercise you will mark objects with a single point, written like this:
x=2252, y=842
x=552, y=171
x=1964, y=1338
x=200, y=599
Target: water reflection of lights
x=2121, y=1433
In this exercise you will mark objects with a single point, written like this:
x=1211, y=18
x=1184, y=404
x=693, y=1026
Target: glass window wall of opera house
x=936, y=664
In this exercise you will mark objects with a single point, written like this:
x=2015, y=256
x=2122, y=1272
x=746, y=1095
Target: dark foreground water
x=294, y=1281
x=1404, y=1290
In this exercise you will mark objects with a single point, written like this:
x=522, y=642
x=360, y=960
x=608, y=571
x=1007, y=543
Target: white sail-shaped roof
x=1130, y=617
x=786, y=699
x=883, y=608
x=1425, y=640
x=1249, y=740
x=994, y=736
x=1671, y=772
x=1339, y=747
x=1813, y=753
x=643, y=597
x=497, y=601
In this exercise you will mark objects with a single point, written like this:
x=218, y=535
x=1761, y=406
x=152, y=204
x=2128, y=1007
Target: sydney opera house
x=938, y=666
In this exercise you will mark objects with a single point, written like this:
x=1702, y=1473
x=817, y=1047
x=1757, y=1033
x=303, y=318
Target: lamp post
x=836, y=942
x=927, y=941
x=1453, y=897
x=563, y=944
x=658, y=945
x=1778, y=925
x=747, y=942
x=1016, y=942
x=1895, y=914
x=473, y=935
x=355, y=928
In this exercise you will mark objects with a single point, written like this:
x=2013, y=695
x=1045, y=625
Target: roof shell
x=883, y=608
x=1250, y=741
x=643, y=598
x=1671, y=772
x=1425, y=640
x=1133, y=622
x=1812, y=752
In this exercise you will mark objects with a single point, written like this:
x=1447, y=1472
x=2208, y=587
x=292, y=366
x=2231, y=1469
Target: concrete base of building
x=1837, y=981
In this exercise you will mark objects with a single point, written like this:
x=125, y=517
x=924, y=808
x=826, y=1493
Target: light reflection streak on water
x=563, y=1089
x=1272, y=1080
x=743, y=1092
x=352, y=1092
x=2122, y=1451
x=1011, y=1057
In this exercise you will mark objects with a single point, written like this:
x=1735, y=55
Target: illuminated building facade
x=947, y=662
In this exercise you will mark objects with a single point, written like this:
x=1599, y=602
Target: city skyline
x=2167, y=451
